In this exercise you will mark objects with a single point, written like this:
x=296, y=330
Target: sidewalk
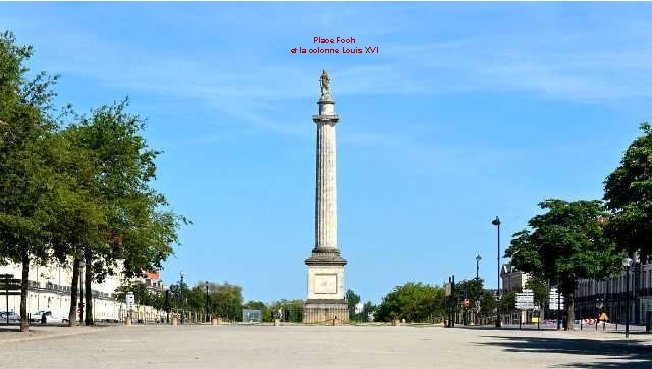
x=12, y=334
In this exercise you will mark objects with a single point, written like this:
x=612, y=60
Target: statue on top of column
x=324, y=83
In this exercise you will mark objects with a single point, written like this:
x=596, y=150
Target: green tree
x=539, y=288
x=414, y=302
x=142, y=295
x=119, y=167
x=352, y=299
x=369, y=308
x=566, y=243
x=480, y=300
x=628, y=196
x=28, y=182
x=226, y=300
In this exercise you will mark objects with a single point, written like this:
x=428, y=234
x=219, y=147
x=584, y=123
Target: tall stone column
x=325, y=266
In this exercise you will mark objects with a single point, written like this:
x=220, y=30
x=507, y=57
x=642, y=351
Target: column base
x=327, y=312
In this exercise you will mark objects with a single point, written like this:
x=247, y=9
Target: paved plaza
x=165, y=347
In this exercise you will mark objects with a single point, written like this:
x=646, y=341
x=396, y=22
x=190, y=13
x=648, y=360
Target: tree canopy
x=79, y=193
x=628, y=196
x=414, y=302
x=564, y=244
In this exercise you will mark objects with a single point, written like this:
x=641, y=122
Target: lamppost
x=181, y=296
x=477, y=266
x=496, y=222
x=599, y=304
x=627, y=263
x=477, y=279
x=82, y=264
x=207, y=319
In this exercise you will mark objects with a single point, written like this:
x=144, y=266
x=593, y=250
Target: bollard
x=277, y=322
x=214, y=321
x=395, y=323
x=127, y=321
x=175, y=321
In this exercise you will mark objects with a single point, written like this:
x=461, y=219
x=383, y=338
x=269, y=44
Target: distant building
x=49, y=289
x=611, y=292
x=608, y=294
x=512, y=279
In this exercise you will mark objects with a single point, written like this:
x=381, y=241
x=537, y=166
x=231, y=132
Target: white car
x=36, y=317
x=53, y=316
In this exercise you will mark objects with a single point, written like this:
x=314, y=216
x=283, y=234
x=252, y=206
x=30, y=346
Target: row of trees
x=75, y=187
x=224, y=300
x=572, y=240
x=418, y=302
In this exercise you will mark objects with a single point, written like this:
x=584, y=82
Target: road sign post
x=524, y=302
x=129, y=301
x=11, y=286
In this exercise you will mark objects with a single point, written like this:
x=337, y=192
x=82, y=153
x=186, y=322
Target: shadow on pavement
x=630, y=354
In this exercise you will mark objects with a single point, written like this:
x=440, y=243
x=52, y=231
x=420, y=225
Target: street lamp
x=82, y=264
x=627, y=263
x=496, y=222
x=477, y=266
x=207, y=301
x=477, y=279
x=181, y=296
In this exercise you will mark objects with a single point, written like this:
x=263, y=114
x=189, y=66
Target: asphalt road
x=163, y=347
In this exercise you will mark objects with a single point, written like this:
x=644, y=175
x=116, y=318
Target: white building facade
x=609, y=295
x=49, y=289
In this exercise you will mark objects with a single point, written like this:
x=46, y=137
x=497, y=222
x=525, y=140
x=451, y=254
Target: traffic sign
x=129, y=300
x=525, y=300
x=524, y=305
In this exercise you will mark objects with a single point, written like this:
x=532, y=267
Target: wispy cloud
x=598, y=65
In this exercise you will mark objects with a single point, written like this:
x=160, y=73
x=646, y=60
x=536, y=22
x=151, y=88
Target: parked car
x=36, y=317
x=13, y=317
x=53, y=316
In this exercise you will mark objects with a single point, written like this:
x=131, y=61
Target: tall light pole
x=627, y=263
x=477, y=266
x=207, y=320
x=181, y=296
x=496, y=222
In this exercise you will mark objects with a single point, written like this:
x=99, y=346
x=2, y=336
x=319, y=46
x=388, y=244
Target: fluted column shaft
x=326, y=189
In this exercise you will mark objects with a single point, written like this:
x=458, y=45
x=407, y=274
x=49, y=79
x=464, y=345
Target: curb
x=45, y=335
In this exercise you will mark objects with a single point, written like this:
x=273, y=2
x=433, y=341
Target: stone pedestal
x=325, y=312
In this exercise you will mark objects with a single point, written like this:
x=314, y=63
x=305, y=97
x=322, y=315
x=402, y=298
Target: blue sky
x=470, y=110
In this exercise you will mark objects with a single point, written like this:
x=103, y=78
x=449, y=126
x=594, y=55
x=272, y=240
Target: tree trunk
x=89, y=292
x=569, y=306
x=571, y=310
x=24, y=290
x=72, y=313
